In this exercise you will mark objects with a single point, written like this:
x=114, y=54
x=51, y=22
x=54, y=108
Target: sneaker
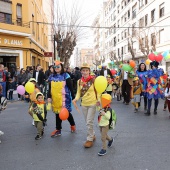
x=42, y=133
x=155, y=112
x=56, y=133
x=37, y=137
x=164, y=109
x=73, y=129
x=102, y=152
x=110, y=143
x=1, y=133
x=135, y=110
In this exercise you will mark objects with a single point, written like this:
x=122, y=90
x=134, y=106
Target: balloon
x=113, y=72
x=100, y=84
x=159, y=58
x=156, y=53
x=126, y=67
x=164, y=54
x=131, y=74
x=64, y=114
x=29, y=87
x=132, y=63
x=21, y=90
x=112, y=62
x=99, y=66
x=167, y=57
x=147, y=62
x=151, y=56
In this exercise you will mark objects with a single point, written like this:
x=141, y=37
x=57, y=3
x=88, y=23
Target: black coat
x=41, y=77
x=108, y=73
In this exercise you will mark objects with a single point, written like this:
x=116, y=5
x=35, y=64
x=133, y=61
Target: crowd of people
x=62, y=86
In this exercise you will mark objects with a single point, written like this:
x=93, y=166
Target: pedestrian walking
x=89, y=99
x=61, y=93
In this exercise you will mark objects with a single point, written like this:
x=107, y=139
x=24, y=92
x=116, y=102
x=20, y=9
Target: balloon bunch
x=166, y=55
x=129, y=67
x=29, y=88
x=155, y=57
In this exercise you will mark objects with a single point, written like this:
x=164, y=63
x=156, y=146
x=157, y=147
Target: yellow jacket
x=104, y=120
x=89, y=98
x=41, y=109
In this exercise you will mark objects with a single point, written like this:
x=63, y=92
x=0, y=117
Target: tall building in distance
x=24, y=33
x=134, y=27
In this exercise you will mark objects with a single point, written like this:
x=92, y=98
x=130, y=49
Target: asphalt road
x=141, y=142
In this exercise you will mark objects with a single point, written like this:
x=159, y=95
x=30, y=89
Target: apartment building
x=23, y=33
x=140, y=22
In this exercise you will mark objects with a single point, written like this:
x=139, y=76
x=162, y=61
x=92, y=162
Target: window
x=153, y=39
x=125, y=2
x=5, y=18
x=118, y=52
x=141, y=22
x=118, y=22
x=125, y=17
x=128, y=13
x=134, y=30
x=114, y=41
x=161, y=10
x=114, y=28
x=141, y=4
x=153, y=15
x=125, y=34
x=146, y=19
x=122, y=34
x=122, y=50
x=161, y=36
x=118, y=38
x=33, y=29
x=122, y=4
x=134, y=12
x=19, y=14
x=118, y=9
x=146, y=1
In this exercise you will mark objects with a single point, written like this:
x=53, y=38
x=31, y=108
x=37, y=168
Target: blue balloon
x=164, y=54
x=112, y=62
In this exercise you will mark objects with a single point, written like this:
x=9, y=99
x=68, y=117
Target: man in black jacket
x=39, y=77
x=105, y=71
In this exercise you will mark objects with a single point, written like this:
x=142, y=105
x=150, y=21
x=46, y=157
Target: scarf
x=37, y=102
x=87, y=79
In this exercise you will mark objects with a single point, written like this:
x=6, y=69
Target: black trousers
x=59, y=121
x=126, y=87
x=155, y=104
x=10, y=97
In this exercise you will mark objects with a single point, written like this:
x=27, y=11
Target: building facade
x=138, y=24
x=23, y=33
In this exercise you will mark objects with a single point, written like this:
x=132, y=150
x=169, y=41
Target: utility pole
x=54, y=49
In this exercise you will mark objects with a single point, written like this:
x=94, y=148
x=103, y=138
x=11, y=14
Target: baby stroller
x=3, y=104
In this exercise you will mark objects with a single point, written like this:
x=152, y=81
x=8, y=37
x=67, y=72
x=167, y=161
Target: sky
x=88, y=11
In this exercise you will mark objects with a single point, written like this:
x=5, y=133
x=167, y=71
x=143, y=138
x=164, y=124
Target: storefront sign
x=48, y=54
x=12, y=42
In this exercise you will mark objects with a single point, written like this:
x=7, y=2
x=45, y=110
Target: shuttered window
x=6, y=7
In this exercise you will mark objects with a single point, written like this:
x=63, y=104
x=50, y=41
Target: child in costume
x=136, y=90
x=1, y=133
x=103, y=121
x=89, y=100
x=117, y=89
x=109, y=88
x=154, y=89
x=32, y=96
x=167, y=94
x=39, y=113
x=61, y=92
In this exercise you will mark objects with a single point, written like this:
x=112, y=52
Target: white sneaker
x=1, y=133
x=33, y=123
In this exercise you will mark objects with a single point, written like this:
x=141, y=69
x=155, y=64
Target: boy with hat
x=103, y=121
x=39, y=113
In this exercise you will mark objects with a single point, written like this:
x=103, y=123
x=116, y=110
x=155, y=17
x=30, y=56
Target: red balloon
x=159, y=58
x=152, y=56
x=64, y=114
x=113, y=72
x=132, y=63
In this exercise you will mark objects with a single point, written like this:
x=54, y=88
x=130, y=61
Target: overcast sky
x=88, y=11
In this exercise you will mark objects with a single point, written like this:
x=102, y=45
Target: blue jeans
x=3, y=88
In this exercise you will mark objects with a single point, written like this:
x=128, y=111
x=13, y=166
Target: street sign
x=48, y=54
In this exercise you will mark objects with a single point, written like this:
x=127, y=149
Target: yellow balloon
x=99, y=66
x=147, y=62
x=29, y=87
x=100, y=84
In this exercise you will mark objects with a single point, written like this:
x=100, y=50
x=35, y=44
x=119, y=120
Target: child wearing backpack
x=39, y=113
x=104, y=121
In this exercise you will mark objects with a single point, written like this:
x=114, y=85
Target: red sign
x=48, y=54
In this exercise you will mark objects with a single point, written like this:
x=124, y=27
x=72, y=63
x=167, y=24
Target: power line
x=86, y=26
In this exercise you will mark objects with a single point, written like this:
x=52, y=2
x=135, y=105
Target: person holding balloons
x=61, y=92
x=86, y=90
